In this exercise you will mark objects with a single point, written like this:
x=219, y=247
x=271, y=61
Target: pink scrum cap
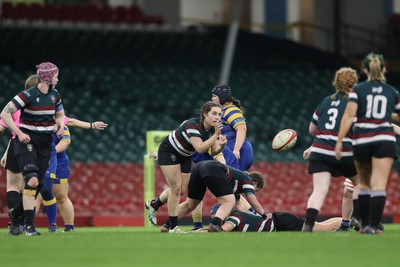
x=46, y=71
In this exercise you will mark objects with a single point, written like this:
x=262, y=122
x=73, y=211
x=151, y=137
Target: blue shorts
x=246, y=154
x=63, y=172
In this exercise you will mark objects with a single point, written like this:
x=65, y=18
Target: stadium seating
x=149, y=80
x=78, y=13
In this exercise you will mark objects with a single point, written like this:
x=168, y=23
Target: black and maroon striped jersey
x=376, y=103
x=240, y=182
x=38, y=109
x=327, y=118
x=246, y=222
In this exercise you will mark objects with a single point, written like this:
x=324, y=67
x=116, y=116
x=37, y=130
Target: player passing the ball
x=175, y=151
x=324, y=126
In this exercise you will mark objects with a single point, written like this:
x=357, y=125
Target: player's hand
x=24, y=138
x=99, y=125
x=217, y=128
x=237, y=154
x=3, y=161
x=338, y=150
x=59, y=130
x=153, y=155
x=223, y=140
x=306, y=153
x=220, y=124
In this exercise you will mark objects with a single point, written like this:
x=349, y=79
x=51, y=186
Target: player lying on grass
x=240, y=221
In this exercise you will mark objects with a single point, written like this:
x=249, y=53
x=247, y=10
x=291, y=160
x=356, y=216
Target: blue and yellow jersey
x=376, y=103
x=327, y=118
x=230, y=158
x=66, y=137
x=232, y=116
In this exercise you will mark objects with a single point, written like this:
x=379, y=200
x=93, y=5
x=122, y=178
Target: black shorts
x=11, y=162
x=364, y=153
x=209, y=174
x=335, y=169
x=37, y=152
x=287, y=222
x=167, y=155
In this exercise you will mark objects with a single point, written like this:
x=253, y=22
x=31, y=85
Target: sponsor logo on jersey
x=29, y=147
x=377, y=89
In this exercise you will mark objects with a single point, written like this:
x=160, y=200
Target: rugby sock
x=216, y=221
x=69, y=227
x=17, y=212
x=156, y=203
x=29, y=215
x=345, y=224
x=198, y=225
x=377, y=205
x=21, y=220
x=13, y=198
x=356, y=209
x=173, y=221
x=50, y=206
x=167, y=224
x=363, y=204
x=311, y=216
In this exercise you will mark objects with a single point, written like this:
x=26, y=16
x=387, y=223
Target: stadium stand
x=152, y=80
x=76, y=12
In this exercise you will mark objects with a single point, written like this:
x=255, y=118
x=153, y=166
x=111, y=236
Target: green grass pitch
x=141, y=247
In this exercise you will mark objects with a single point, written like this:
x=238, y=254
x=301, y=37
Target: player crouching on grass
x=226, y=184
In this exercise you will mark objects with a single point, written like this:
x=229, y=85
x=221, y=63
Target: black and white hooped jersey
x=180, y=138
x=376, y=103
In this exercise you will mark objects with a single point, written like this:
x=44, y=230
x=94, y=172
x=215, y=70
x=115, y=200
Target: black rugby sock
x=363, y=204
x=311, y=216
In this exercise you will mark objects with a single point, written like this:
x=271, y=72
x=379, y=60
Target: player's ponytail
x=376, y=70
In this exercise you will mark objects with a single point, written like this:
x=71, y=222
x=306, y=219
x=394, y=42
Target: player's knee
x=46, y=193
x=30, y=173
x=176, y=191
x=62, y=198
x=30, y=190
x=192, y=205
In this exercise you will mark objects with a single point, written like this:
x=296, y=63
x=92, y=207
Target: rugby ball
x=284, y=140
